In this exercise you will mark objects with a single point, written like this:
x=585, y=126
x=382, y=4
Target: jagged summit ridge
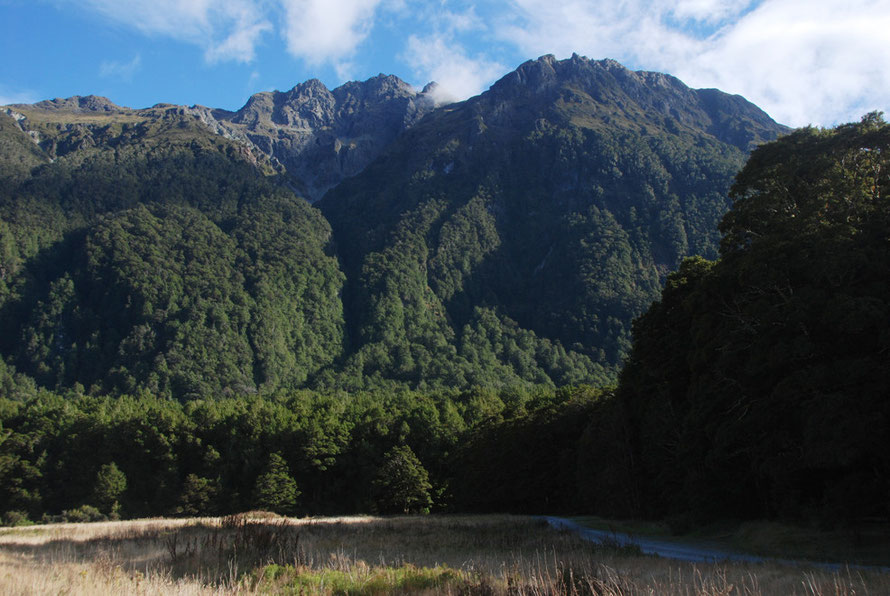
x=318, y=136
x=639, y=96
x=322, y=136
x=315, y=135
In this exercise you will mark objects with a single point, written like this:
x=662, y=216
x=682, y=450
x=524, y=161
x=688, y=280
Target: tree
x=402, y=484
x=110, y=485
x=198, y=495
x=756, y=386
x=275, y=489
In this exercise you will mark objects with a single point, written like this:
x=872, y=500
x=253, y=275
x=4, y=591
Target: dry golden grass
x=252, y=554
x=48, y=117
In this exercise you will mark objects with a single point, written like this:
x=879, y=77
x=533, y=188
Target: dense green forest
x=498, y=314
x=506, y=241
x=73, y=456
x=755, y=388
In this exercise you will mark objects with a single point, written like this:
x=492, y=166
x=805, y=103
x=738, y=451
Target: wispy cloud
x=439, y=58
x=225, y=29
x=802, y=64
x=120, y=70
x=706, y=11
x=441, y=53
x=239, y=46
x=316, y=31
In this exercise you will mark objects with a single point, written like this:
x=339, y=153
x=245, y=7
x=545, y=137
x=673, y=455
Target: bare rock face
x=322, y=136
x=313, y=135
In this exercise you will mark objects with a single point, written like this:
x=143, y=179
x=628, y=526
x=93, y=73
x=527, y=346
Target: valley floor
x=261, y=553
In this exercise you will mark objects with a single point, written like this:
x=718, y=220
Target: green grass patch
x=357, y=580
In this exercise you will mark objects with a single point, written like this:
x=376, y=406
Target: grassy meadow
x=259, y=553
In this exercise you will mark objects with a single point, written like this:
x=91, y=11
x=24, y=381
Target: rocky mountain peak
x=586, y=91
x=79, y=104
x=381, y=86
x=320, y=136
x=307, y=89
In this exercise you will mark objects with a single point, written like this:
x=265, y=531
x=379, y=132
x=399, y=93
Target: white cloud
x=120, y=70
x=320, y=31
x=317, y=31
x=440, y=52
x=239, y=46
x=707, y=11
x=812, y=66
x=802, y=63
x=225, y=29
x=439, y=58
x=181, y=20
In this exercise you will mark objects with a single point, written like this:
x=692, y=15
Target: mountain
x=506, y=240
x=143, y=251
x=322, y=136
x=527, y=227
x=316, y=136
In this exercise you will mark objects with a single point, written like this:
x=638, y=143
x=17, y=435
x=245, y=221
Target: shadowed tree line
x=303, y=453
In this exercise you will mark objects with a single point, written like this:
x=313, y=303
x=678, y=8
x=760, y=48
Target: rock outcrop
x=322, y=136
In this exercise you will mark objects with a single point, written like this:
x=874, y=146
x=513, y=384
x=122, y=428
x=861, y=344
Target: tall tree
x=110, y=485
x=275, y=489
x=402, y=483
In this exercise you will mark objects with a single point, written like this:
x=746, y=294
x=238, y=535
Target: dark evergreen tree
x=402, y=483
x=757, y=385
x=275, y=489
x=198, y=496
x=110, y=486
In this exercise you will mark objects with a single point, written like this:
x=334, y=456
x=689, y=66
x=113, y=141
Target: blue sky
x=803, y=61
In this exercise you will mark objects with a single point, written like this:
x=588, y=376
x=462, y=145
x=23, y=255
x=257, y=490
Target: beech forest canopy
x=505, y=241
x=758, y=384
x=181, y=332
x=755, y=387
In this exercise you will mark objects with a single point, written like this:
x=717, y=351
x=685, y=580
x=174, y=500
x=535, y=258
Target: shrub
x=16, y=518
x=83, y=514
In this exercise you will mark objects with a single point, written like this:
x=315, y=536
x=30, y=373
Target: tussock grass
x=37, y=116
x=263, y=554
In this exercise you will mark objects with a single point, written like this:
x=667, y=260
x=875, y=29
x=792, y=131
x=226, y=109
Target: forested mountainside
x=506, y=240
x=181, y=330
x=148, y=252
x=528, y=226
x=755, y=388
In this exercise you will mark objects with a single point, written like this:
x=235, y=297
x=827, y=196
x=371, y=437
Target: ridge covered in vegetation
x=505, y=241
x=182, y=333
